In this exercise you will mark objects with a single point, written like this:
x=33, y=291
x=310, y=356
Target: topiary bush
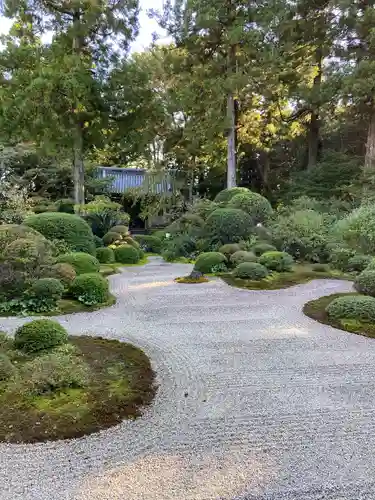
x=111, y=237
x=208, y=261
x=47, y=289
x=251, y=271
x=227, y=225
x=123, y=230
x=358, y=263
x=12, y=232
x=203, y=207
x=82, y=262
x=62, y=226
x=62, y=271
x=242, y=256
x=254, y=204
x=359, y=307
x=126, y=254
x=277, y=261
x=98, y=241
x=261, y=248
x=40, y=335
x=365, y=282
x=149, y=243
x=130, y=241
x=227, y=194
x=28, y=255
x=229, y=249
x=105, y=255
x=90, y=289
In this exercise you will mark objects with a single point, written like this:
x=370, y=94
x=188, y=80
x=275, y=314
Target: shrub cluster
x=210, y=262
x=105, y=255
x=261, y=248
x=149, y=243
x=242, y=256
x=126, y=254
x=228, y=225
x=251, y=271
x=358, y=307
x=90, y=289
x=81, y=262
x=277, y=261
x=40, y=335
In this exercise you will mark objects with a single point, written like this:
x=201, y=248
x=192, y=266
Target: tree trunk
x=78, y=166
x=314, y=127
x=231, y=143
x=370, y=145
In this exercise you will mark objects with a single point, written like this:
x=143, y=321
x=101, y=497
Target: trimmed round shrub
x=277, y=261
x=261, y=248
x=62, y=271
x=126, y=254
x=12, y=232
x=105, y=255
x=28, y=254
x=47, y=288
x=251, y=271
x=149, y=243
x=98, y=241
x=82, y=262
x=123, y=230
x=130, y=241
x=39, y=335
x=229, y=249
x=254, y=204
x=203, y=207
x=62, y=226
x=208, y=261
x=365, y=282
x=90, y=289
x=228, y=225
x=242, y=256
x=227, y=194
x=358, y=263
x=111, y=237
x=7, y=369
x=340, y=256
x=358, y=307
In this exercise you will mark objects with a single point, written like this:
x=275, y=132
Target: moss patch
x=301, y=273
x=120, y=383
x=316, y=309
x=187, y=279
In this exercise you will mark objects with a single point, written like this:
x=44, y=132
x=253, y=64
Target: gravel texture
x=256, y=401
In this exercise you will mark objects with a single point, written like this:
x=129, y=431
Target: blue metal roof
x=128, y=178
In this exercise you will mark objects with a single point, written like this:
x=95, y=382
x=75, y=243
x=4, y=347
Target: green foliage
x=65, y=205
x=203, y=207
x=358, y=263
x=357, y=229
x=60, y=247
x=98, y=241
x=82, y=262
x=227, y=225
x=277, y=261
x=103, y=214
x=68, y=227
x=90, y=289
x=149, y=243
x=7, y=369
x=207, y=261
x=320, y=268
x=123, y=230
x=357, y=307
x=303, y=234
x=261, y=248
x=340, y=257
x=180, y=245
x=126, y=254
x=62, y=271
x=12, y=232
x=48, y=289
x=242, y=256
x=251, y=271
x=111, y=237
x=227, y=194
x=105, y=255
x=365, y=282
x=254, y=204
x=229, y=249
x=40, y=335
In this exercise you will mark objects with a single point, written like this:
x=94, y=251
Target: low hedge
x=127, y=254
x=208, y=262
x=105, y=255
x=357, y=307
x=90, y=289
x=82, y=262
x=277, y=261
x=242, y=256
x=40, y=335
x=251, y=271
x=47, y=288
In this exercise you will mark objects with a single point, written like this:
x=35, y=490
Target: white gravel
x=256, y=401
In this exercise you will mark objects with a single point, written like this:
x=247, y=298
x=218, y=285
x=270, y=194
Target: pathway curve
x=256, y=401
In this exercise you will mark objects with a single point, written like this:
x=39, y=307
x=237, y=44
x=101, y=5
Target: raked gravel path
x=256, y=401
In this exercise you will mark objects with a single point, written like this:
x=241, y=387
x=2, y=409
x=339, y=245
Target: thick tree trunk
x=231, y=142
x=370, y=145
x=314, y=127
x=78, y=166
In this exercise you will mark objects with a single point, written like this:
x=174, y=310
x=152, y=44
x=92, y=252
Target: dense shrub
x=261, y=248
x=123, y=230
x=227, y=225
x=254, y=204
x=209, y=261
x=62, y=271
x=65, y=205
x=320, y=268
x=82, y=262
x=340, y=257
x=357, y=229
x=227, y=194
x=359, y=307
x=12, y=232
x=111, y=237
x=251, y=271
x=102, y=214
x=49, y=289
x=98, y=241
x=242, y=256
x=126, y=254
x=13, y=282
x=358, y=263
x=68, y=227
x=180, y=245
x=105, y=255
x=130, y=241
x=277, y=261
x=7, y=369
x=229, y=249
x=39, y=335
x=90, y=289
x=203, y=208
x=365, y=282
x=149, y=243
x=303, y=234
